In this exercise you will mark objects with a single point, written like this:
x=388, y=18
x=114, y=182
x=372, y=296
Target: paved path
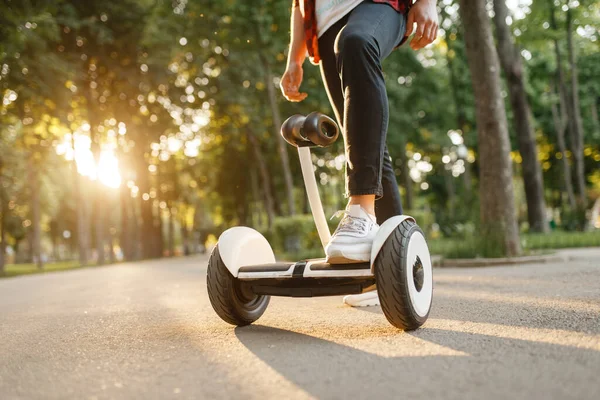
x=147, y=331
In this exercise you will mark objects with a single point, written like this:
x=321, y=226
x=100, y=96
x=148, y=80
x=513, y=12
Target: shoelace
x=349, y=223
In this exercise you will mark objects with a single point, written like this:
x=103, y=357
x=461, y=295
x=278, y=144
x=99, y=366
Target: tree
x=510, y=59
x=3, y=209
x=462, y=95
x=497, y=209
x=575, y=111
x=185, y=95
x=561, y=114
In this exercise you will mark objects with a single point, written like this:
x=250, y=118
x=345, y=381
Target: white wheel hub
x=418, y=262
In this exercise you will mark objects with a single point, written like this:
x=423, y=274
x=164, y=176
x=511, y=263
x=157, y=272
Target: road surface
x=147, y=331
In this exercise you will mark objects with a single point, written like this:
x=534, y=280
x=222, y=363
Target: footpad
x=320, y=268
x=274, y=267
x=339, y=267
x=305, y=269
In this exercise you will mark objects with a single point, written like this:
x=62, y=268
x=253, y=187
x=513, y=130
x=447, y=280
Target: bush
x=573, y=220
x=452, y=248
x=425, y=219
x=295, y=238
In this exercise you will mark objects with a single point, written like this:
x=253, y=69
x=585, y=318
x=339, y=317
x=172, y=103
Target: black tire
x=231, y=300
x=392, y=281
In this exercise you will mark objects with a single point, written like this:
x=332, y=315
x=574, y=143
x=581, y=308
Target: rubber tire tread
x=220, y=287
x=390, y=275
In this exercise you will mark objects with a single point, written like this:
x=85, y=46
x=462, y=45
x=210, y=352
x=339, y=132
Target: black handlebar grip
x=320, y=129
x=291, y=130
x=314, y=130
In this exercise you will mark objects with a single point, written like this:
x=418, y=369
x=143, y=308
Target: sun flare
x=106, y=170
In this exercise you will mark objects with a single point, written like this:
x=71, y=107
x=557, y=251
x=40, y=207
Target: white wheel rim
x=421, y=300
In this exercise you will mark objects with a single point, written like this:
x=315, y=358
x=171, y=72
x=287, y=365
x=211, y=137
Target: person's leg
x=331, y=78
x=359, y=99
x=353, y=238
x=391, y=203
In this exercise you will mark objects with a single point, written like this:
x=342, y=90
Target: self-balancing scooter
x=243, y=274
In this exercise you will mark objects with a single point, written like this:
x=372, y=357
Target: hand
x=290, y=82
x=424, y=13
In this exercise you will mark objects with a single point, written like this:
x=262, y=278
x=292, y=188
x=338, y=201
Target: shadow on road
x=324, y=368
x=317, y=366
x=512, y=310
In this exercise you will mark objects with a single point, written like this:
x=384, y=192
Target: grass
x=531, y=243
x=561, y=240
x=11, y=270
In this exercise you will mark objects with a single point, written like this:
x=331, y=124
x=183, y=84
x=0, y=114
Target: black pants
x=351, y=54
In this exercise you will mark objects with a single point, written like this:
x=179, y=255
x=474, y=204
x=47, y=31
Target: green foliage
x=573, y=220
x=561, y=240
x=189, y=80
x=425, y=219
x=531, y=242
x=295, y=238
x=453, y=248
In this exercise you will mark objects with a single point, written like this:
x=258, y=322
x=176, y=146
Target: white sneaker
x=362, y=300
x=353, y=239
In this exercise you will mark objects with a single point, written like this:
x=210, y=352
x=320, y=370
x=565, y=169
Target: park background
x=141, y=129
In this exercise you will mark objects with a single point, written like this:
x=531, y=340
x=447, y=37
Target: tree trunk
x=499, y=232
x=467, y=179
x=98, y=189
x=146, y=228
x=264, y=176
x=99, y=215
x=451, y=191
x=185, y=237
x=36, y=215
x=136, y=231
x=55, y=244
x=29, y=257
x=99, y=198
x=125, y=241
x=2, y=250
x=80, y=207
x=171, y=232
x=159, y=239
x=281, y=143
x=562, y=122
x=110, y=231
x=3, y=214
x=19, y=258
x=510, y=60
x=560, y=125
x=256, y=199
x=112, y=257
x=577, y=140
x=408, y=182
x=408, y=186
x=594, y=113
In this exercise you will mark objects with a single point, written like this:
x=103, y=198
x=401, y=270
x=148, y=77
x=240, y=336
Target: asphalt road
x=147, y=331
